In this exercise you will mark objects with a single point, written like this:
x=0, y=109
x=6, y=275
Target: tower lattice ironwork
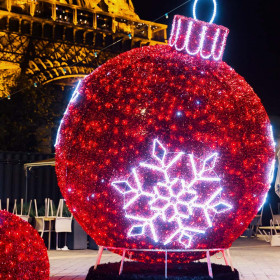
x=50, y=41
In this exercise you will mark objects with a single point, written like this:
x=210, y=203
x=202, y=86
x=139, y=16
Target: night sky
x=253, y=45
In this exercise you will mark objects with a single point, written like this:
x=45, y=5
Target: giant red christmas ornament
x=23, y=254
x=166, y=147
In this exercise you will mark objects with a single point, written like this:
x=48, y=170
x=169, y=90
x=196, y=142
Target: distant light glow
x=172, y=200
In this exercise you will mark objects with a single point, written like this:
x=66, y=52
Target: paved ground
x=254, y=259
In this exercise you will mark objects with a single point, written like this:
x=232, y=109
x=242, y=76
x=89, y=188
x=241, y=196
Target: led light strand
x=173, y=33
x=72, y=100
x=271, y=172
x=214, y=10
x=187, y=41
x=177, y=35
x=264, y=201
x=168, y=198
x=213, y=46
x=272, y=167
x=190, y=33
x=222, y=48
x=272, y=135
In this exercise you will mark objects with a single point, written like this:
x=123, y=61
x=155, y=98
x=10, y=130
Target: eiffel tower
x=48, y=41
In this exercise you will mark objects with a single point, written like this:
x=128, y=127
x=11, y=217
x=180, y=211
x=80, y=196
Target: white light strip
x=272, y=135
x=272, y=166
x=173, y=34
x=202, y=37
x=264, y=201
x=271, y=173
x=222, y=48
x=72, y=100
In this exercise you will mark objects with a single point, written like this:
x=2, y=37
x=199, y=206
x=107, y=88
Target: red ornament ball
x=162, y=150
x=23, y=254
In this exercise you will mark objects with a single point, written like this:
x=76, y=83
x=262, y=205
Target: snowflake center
x=163, y=193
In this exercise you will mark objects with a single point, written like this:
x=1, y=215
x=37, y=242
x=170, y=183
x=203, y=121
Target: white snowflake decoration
x=172, y=200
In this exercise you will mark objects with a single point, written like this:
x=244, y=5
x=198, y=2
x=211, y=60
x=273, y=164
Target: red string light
x=23, y=254
x=195, y=105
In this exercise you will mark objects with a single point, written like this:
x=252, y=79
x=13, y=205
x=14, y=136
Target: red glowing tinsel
x=23, y=254
x=190, y=104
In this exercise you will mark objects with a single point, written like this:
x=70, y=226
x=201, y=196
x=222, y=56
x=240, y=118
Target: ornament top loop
x=214, y=11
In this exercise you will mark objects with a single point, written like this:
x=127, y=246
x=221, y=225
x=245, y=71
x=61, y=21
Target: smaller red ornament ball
x=23, y=254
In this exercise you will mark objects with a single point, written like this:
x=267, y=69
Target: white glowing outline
x=214, y=11
x=272, y=135
x=264, y=201
x=201, y=42
x=271, y=172
x=156, y=142
x=172, y=34
x=272, y=166
x=115, y=184
x=202, y=38
x=222, y=48
x=172, y=199
x=72, y=100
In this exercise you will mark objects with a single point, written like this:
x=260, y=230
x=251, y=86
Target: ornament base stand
x=225, y=253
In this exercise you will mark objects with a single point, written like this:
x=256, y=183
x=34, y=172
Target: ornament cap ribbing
x=198, y=38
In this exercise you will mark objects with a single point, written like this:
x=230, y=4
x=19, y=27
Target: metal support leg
x=121, y=267
x=50, y=234
x=209, y=264
x=57, y=241
x=99, y=255
x=225, y=258
x=165, y=264
x=230, y=260
x=65, y=242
